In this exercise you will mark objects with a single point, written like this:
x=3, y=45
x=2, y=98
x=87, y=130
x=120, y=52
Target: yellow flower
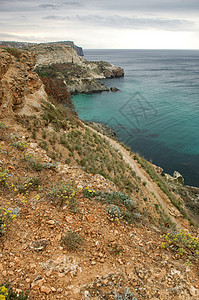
x=3, y=290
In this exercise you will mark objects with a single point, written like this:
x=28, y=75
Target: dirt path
x=152, y=187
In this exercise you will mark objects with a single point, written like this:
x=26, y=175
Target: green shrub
x=127, y=295
x=6, y=215
x=114, y=213
x=26, y=184
x=183, y=243
x=62, y=193
x=14, y=52
x=88, y=193
x=72, y=240
x=20, y=145
x=4, y=174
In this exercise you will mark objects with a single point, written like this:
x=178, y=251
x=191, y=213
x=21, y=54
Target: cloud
x=60, y=5
x=14, y=37
x=117, y=21
x=47, y=6
x=146, y=5
x=56, y=18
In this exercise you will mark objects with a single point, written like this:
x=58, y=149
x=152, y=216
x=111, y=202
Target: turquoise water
x=156, y=112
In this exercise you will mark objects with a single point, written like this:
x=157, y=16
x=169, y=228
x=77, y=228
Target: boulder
x=114, y=89
x=178, y=177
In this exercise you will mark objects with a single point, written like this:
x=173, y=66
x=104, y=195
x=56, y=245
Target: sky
x=103, y=24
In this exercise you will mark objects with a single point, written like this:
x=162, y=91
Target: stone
x=114, y=89
x=178, y=177
x=38, y=245
x=45, y=289
x=50, y=222
x=1, y=267
x=90, y=219
x=193, y=291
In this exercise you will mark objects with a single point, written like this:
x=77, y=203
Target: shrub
x=7, y=293
x=89, y=193
x=72, y=240
x=6, y=215
x=20, y=145
x=114, y=213
x=56, y=88
x=4, y=174
x=27, y=183
x=62, y=193
x=14, y=51
x=3, y=125
x=33, y=162
x=127, y=295
x=183, y=243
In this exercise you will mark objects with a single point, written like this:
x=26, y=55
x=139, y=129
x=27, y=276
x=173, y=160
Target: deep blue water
x=156, y=112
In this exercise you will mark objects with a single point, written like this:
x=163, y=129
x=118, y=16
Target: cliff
x=78, y=49
x=21, y=90
x=81, y=217
x=25, y=45
x=79, y=75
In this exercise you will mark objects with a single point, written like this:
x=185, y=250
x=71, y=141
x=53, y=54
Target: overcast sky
x=117, y=24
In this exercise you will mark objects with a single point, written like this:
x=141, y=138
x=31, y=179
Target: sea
x=156, y=111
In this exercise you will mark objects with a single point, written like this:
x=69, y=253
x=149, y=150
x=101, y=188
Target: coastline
x=189, y=194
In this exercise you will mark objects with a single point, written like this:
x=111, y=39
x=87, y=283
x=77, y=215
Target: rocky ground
x=112, y=256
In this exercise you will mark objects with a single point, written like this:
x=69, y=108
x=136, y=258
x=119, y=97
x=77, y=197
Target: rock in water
x=178, y=177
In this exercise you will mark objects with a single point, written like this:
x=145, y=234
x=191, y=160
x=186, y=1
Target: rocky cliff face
x=47, y=54
x=78, y=49
x=21, y=90
x=51, y=54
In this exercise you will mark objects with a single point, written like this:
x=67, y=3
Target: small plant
x=7, y=293
x=6, y=215
x=3, y=125
x=114, y=213
x=183, y=243
x=72, y=240
x=3, y=292
x=116, y=249
x=20, y=145
x=89, y=193
x=127, y=295
x=14, y=51
x=26, y=184
x=33, y=162
x=49, y=165
x=62, y=193
x=4, y=174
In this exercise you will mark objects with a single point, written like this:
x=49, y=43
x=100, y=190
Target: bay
x=156, y=112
